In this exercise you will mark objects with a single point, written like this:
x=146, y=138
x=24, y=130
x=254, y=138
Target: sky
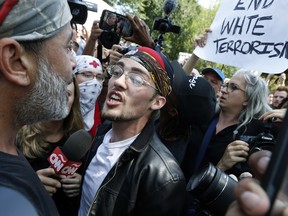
x=206, y=3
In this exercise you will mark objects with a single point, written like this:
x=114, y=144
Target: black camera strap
x=206, y=140
x=99, y=51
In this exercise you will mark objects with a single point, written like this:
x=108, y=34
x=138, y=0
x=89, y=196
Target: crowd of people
x=154, y=123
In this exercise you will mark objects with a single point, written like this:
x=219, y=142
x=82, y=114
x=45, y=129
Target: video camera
x=164, y=25
x=79, y=11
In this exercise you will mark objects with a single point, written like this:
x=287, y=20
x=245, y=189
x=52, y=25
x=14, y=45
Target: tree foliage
x=189, y=15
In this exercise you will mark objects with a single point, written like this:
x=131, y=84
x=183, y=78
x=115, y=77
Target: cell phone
x=275, y=179
x=115, y=22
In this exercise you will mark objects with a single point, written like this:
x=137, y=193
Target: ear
x=14, y=62
x=158, y=103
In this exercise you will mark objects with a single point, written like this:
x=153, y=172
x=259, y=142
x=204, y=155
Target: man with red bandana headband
x=130, y=171
x=35, y=69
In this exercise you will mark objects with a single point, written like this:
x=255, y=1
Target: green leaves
x=189, y=15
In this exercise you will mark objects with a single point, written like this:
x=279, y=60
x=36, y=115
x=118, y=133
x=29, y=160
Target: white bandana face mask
x=89, y=92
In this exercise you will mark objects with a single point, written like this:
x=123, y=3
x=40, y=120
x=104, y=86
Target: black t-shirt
x=17, y=174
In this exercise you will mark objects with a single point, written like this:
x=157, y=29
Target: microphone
x=169, y=6
x=66, y=160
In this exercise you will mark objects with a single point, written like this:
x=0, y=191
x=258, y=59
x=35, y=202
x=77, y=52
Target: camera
x=91, y=6
x=78, y=10
x=263, y=141
x=213, y=189
x=115, y=26
x=164, y=25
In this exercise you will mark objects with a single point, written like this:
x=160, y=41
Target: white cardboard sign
x=250, y=34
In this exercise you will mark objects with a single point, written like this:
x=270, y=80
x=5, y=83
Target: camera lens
x=213, y=188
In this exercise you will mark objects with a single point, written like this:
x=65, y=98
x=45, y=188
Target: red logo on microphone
x=61, y=164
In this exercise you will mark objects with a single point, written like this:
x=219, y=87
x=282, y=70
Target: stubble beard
x=47, y=100
x=122, y=116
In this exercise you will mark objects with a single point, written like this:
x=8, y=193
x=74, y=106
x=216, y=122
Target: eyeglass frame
x=233, y=88
x=89, y=73
x=144, y=82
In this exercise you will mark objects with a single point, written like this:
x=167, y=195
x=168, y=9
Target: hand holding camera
x=141, y=32
x=236, y=152
x=132, y=29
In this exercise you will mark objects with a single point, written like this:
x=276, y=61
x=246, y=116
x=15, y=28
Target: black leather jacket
x=146, y=180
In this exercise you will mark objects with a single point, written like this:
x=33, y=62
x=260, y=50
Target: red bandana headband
x=154, y=63
x=6, y=8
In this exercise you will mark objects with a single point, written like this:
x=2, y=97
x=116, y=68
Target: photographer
x=243, y=100
x=242, y=103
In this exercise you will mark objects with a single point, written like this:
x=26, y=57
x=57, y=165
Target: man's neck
x=7, y=143
x=125, y=130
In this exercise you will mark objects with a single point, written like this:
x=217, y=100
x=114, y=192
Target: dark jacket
x=146, y=180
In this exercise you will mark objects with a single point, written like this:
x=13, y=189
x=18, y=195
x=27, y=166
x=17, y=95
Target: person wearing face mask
x=90, y=78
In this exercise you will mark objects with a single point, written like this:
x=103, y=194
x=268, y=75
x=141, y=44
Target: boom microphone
x=169, y=6
x=65, y=160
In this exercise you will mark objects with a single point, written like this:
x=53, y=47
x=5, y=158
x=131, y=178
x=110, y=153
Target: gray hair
x=256, y=93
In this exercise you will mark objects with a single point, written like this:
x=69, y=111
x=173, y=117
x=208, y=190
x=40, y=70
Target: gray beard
x=47, y=100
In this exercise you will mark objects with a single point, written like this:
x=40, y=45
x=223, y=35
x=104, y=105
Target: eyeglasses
x=90, y=76
x=136, y=79
x=232, y=87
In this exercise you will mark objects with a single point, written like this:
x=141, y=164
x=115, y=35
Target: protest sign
x=250, y=34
